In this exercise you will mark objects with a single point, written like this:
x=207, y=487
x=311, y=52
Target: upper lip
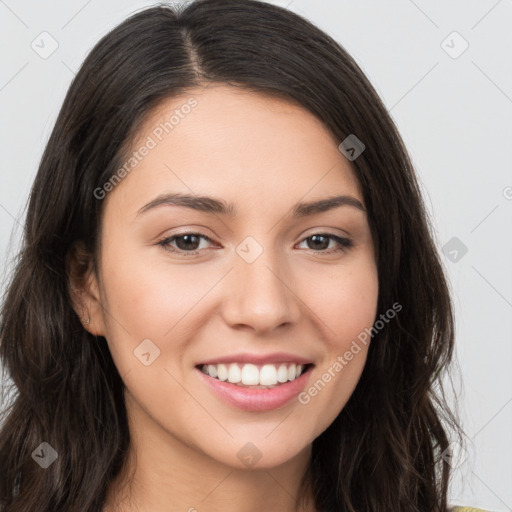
x=276, y=357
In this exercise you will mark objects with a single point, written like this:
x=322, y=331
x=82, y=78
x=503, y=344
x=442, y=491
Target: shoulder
x=467, y=509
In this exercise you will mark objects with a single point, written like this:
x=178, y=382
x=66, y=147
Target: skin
x=264, y=155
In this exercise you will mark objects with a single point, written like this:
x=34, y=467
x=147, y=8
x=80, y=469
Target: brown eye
x=186, y=243
x=319, y=242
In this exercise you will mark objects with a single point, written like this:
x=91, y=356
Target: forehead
x=244, y=146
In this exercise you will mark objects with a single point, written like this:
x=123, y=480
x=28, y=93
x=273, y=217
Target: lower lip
x=250, y=399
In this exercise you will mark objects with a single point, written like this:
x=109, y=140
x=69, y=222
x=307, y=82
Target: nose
x=260, y=295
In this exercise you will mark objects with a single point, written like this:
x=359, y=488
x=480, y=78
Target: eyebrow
x=219, y=206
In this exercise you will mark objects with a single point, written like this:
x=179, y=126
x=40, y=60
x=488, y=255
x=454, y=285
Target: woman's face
x=255, y=287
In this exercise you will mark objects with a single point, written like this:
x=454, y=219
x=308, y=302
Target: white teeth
x=250, y=375
x=234, y=373
x=222, y=372
x=282, y=373
x=253, y=375
x=212, y=370
x=291, y=372
x=268, y=375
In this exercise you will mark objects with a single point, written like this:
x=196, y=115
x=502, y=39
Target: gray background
x=454, y=111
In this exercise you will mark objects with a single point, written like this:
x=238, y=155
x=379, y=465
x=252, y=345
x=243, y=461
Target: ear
x=84, y=288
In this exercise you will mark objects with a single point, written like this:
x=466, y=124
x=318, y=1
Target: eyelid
x=326, y=231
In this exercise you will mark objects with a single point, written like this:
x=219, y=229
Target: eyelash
x=345, y=243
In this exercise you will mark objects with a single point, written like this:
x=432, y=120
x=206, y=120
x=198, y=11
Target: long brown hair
x=384, y=450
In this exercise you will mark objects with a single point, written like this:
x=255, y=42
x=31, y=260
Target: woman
x=290, y=357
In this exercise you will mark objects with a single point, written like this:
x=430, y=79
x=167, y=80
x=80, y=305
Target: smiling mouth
x=262, y=376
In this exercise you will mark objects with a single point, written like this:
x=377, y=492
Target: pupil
x=186, y=245
x=324, y=245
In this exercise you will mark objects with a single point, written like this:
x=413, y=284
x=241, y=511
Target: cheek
x=348, y=308
x=352, y=310
x=150, y=298
x=345, y=298
x=161, y=301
